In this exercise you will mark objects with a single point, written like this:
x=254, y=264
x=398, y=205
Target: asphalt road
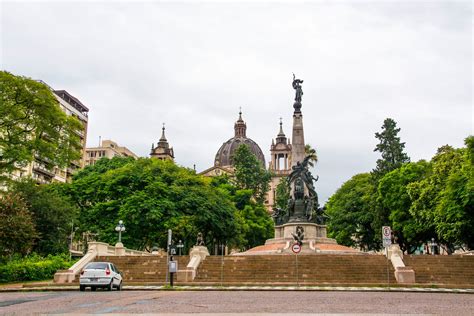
x=164, y=302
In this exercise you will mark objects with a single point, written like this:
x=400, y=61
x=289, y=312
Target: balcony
x=79, y=132
x=43, y=170
x=281, y=172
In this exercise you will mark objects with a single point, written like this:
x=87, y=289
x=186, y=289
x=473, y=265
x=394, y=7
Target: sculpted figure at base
x=303, y=205
x=299, y=236
x=280, y=216
x=200, y=240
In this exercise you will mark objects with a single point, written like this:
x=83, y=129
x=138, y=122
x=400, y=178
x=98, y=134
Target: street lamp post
x=120, y=228
x=433, y=246
x=180, y=246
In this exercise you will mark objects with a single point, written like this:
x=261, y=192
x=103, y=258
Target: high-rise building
x=41, y=169
x=72, y=106
x=107, y=149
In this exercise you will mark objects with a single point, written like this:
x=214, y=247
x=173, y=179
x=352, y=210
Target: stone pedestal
x=313, y=234
x=119, y=249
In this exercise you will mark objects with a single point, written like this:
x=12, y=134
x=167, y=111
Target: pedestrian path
x=245, y=288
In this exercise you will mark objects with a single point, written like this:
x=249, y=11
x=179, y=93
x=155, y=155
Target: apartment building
x=108, y=149
x=41, y=169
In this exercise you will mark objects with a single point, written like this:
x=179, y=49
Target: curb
x=249, y=288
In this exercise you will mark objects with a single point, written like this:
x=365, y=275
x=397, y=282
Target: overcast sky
x=193, y=64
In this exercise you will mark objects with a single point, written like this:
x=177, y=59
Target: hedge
x=33, y=268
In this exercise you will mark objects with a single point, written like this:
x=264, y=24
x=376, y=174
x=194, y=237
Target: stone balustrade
x=403, y=274
x=197, y=255
x=95, y=249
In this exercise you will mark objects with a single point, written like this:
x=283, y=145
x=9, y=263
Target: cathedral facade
x=279, y=165
x=223, y=161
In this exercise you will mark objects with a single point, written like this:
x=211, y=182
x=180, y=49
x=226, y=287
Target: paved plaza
x=228, y=302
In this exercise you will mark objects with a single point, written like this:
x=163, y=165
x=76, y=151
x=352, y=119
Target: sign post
x=296, y=248
x=173, y=268
x=386, y=236
x=168, y=246
x=387, y=241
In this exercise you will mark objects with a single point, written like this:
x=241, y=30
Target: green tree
x=151, y=196
x=33, y=124
x=311, y=152
x=444, y=200
x=393, y=196
x=282, y=193
x=426, y=193
x=17, y=229
x=254, y=224
x=250, y=173
x=390, y=148
x=53, y=215
x=351, y=213
x=257, y=225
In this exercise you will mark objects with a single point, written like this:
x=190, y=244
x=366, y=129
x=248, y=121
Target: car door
x=117, y=277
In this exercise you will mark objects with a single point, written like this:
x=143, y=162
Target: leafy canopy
x=151, y=196
x=250, y=174
x=445, y=199
x=351, y=211
x=394, y=197
x=52, y=213
x=311, y=152
x=390, y=148
x=421, y=201
x=17, y=229
x=32, y=123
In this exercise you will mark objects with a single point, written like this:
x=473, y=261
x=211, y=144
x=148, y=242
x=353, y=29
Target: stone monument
x=302, y=220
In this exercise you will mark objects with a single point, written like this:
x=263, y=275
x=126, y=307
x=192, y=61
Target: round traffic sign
x=386, y=231
x=296, y=248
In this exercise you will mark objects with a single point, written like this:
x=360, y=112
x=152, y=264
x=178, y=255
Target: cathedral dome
x=224, y=156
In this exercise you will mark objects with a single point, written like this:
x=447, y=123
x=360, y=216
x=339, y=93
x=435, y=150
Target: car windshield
x=97, y=266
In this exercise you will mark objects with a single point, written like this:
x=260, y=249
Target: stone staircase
x=442, y=270
x=140, y=269
x=317, y=269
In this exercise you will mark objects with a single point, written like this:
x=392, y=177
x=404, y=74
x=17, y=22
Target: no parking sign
x=296, y=248
x=386, y=236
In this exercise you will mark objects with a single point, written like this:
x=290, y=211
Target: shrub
x=33, y=268
x=17, y=229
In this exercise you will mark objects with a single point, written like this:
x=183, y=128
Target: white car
x=100, y=274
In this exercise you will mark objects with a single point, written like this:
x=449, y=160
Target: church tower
x=280, y=151
x=280, y=164
x=162, y=151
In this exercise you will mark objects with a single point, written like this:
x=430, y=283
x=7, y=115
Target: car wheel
x=82, y=288
x=110, y=286
x=119, y=287
x=93, y=288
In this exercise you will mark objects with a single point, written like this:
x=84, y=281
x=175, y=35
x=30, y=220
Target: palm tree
x=311, y=152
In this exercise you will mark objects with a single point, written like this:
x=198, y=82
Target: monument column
x=297, y=152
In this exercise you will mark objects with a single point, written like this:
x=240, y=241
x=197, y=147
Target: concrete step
x=317, y=269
